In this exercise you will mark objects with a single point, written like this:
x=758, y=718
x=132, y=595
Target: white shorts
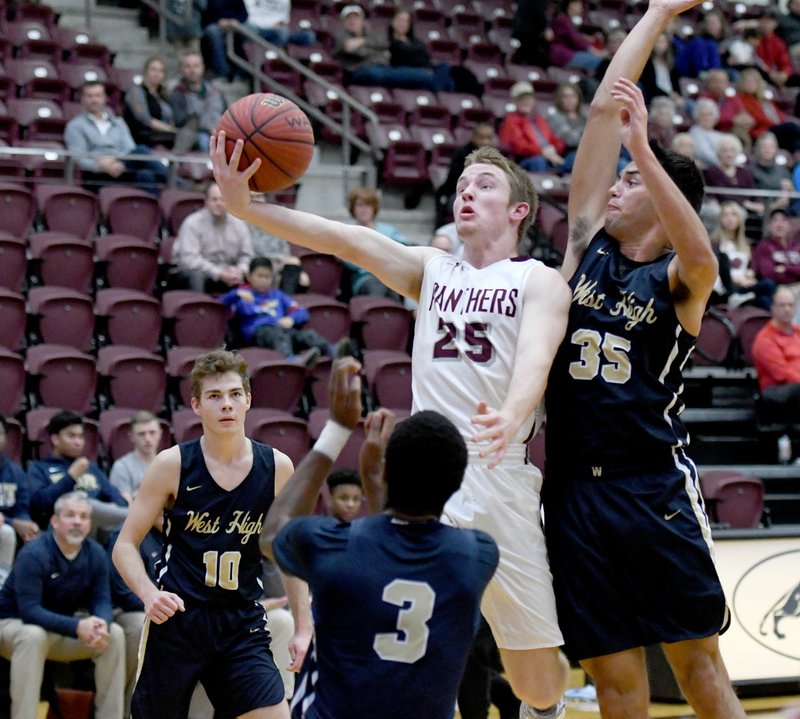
x=518, y=604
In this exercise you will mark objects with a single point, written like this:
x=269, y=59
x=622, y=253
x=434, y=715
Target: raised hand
x=673, y=7
x=633, y=114
x=233, y=184
x=345, y=392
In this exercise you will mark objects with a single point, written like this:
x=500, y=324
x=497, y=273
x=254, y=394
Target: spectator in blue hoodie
x=14, y=503
x=267, y=317
x=66, y=470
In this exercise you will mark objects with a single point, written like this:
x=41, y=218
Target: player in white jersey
x=488, y=327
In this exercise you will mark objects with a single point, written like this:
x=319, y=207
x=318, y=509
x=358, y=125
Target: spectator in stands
x=219, y=15
x=346, y=494
x=728, y=173
x=568, y=118
x=56, y=605
x=446, y=238
x=789, y=27
x=777, y=256
x=185, y=33
x=483, y=135
x=15, y=516
x=702, y=52
x=213, y=249
x=99, y=131
x=706, y=138
x=683, y=144
x=776, y=356
x=270, y=20
x=128, y=470
x=147, y=112
x=659, y=76
x=364, y=57
x=407, y=50
x=531, y=26
x=267, y=317
x=364, y=205
x=768, y=173
x=734, y=250
x=528, y=136
x=196, y=104
x=661, y=122
x=766, y=114
x=68, y=469
x=733, y=117
x=568, y=47
x=773, y=51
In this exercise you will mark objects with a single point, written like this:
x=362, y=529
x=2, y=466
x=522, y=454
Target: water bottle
x=784, y=449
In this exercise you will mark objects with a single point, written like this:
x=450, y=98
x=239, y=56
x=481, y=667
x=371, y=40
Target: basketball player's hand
x=274, y=602
x=496, y=433
x=232, y=184
x=633, y=114
x=298, y=647
x=673, y=7
x=160, y=606
x=378, y=427
x=345, y=392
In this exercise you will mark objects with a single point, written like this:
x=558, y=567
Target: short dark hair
x=683, y=171
x=257, y=262
x=62, y=420
x=91, y=83
x=425, y=462
x=342, y=476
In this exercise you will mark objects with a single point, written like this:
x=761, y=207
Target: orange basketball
x=273, y=129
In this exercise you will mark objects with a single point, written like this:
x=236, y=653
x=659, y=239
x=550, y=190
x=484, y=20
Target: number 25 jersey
x=465, y=340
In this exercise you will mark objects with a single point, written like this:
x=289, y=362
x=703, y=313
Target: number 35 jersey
x=465, y=339
x=612, y=398
x=210, y=552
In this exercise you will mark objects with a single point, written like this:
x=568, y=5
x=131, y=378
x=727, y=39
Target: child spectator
x=269, y=318
x=347, y=494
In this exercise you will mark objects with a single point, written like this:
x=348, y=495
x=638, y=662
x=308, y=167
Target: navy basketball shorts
x=226, y=649
x=632, y=561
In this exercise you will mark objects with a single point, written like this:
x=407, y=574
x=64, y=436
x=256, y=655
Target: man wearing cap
x=777, y=256
x=528, y=137
x=365, y=57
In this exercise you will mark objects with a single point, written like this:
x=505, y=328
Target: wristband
x=332, y=439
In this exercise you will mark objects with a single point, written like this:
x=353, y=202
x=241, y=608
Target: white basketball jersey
x=465, y=339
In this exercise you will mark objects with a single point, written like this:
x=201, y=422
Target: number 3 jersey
x=465, y=340
x=396, y=607
x=210, y=552
x=612, y=396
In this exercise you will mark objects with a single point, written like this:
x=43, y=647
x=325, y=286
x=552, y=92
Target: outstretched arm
x=596, y=161
x=379, y=427
x=694, y=269
x=544, y=322
x=299, y=495
x=397, y=266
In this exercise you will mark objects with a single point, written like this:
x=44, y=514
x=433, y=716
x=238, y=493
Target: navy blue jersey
x=211, y=552
x=612, y=396
x=396, y=606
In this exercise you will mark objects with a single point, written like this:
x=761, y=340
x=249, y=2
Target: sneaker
x=343, y=348
x=557, y=711
x=309, y=358
x=586, y=693
x=737, y=299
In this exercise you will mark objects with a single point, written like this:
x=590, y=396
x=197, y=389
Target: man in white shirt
x=213, y=249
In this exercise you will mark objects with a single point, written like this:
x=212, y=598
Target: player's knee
x=545, y=686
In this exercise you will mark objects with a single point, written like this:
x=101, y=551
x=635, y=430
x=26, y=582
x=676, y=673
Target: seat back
x=13, y=318
x=327, y=316
x=748, y=321
x=17, y=208
x=277, y=384
x=63, y=260
x=12, y=380
x=65, y=377
x=734, y=498
x=132, y=377
x=68, y=209
x=324, y=272
x=716, y=342
x=64, y=316
x=389, y=378
x=197, y=319
x=128, y=317
x=128, y=211
x=280, y=430
x=383, y=323
x=128, y=262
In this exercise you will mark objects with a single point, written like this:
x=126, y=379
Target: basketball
x=273, y=129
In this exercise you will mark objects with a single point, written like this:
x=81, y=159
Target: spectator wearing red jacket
x=767, y=115
x=773, y=51
x=528, y=137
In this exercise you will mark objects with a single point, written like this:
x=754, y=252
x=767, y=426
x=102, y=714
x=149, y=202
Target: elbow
x=602, y=106
x=265, y=542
